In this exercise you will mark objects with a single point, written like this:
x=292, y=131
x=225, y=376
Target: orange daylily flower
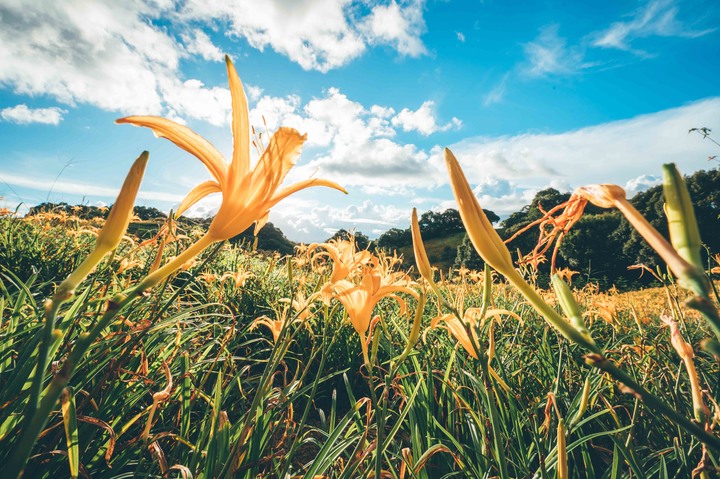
x=344, y=256
x=360, y=299
x=472, y=316
x=274, y=325
x=247, y=194
x=238, y=277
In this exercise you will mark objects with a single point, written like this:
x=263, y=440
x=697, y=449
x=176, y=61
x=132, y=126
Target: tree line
x=600, y=247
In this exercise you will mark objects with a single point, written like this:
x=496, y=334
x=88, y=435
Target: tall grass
x=187, y=383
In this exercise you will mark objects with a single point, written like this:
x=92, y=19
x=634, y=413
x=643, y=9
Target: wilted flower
x=608, y=196
x=685, y=351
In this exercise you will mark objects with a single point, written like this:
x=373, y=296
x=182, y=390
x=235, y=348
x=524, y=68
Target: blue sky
x=527, y=94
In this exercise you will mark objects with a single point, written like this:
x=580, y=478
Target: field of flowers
x=181, y=356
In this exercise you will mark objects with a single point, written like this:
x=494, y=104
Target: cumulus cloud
x=105, y=54
x=199, y=43
x=317, y=34
x=397, y=25
x=423, y=120
x=655, y=18
x=115, y=55
x=641, y=183
x=24, y=115
x=353, y=144
x=309, y=220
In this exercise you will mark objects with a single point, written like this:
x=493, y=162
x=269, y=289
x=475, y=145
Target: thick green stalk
x=51, y=309
x=551, y=316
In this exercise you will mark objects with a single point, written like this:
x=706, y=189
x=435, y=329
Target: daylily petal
x=457, y=329
x=196, y=194
x=301, y=185
x=277, y=159
x=260, y=222
x=186, y=139
x=240, y=164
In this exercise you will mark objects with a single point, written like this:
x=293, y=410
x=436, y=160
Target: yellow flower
x=344, y=256
x=247, y=194
x=238, y=277
x=421, y=257
x=479, y=229
x=471, y=316
x=274, y=325
x=360, y=300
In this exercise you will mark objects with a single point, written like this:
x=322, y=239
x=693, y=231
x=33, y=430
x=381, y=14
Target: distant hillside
x=441, y=251
x=270, y=239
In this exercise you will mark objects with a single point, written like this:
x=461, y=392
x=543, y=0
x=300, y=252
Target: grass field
x=250, y=366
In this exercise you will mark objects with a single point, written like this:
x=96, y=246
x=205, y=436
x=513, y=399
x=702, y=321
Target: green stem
x=550, y=315
x=709, y=312
x=233, y=465
x=51, y=310
x=494, y=418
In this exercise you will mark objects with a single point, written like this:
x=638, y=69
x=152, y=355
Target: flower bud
x=111, y=233
x=684, y=232
x=570, y=306
x=483, y=236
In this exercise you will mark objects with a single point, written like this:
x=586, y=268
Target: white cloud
x=497, y=93
x=460, y=36
x=308, y=221
x=24, y=115
x=641, y=183
x=316, y=34
x=194, y=100
x=655, y=18
x=623, y=152
x=104, y=53
x=199, y=43
x=87, y=189
x=113, y=56
x=253, y=92
x=549, y=54
x=396, y=25
x=423, y=120
x=353, y=144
